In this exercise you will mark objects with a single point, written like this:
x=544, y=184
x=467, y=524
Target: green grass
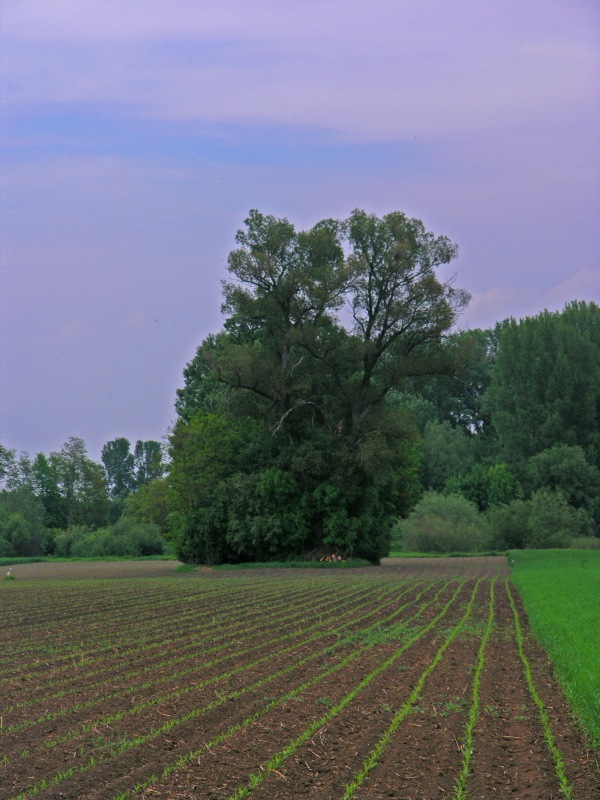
x=9, y=561
x=561, y=592
x=403, y=554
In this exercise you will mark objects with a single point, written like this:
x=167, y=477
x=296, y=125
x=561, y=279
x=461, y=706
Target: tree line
x=67, y=504
x=339, y=410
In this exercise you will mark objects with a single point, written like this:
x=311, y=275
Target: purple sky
x=137, y=135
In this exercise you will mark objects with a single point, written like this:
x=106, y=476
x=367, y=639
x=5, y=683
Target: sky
x=135, y=137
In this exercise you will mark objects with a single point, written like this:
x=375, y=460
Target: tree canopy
x=545, y=388
x=321, y=325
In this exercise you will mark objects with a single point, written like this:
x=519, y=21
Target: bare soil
x=175, y=661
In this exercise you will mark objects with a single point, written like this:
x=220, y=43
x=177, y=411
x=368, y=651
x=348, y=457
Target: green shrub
x=566, y=470
x=6, y=548
x=585, y=543
x=126, y=539
x=486, y=486
x=508, y=525
x=25, y=538
x=553, y=522
x=64, y=540
x=443, y=524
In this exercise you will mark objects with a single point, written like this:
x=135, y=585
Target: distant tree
x=82, y=483
x=7, y=464
x=421, y=410
x=22, y=522
x=565, y=469
x=150, y=503
x=447, y=452
x=92, y=500
x=119, y=465
x=486, y=486
x=15, y=471
x=508, y=525
x=545, y=388
x=459, y=396
x=46, y=488
x=148, y=462
x=553, y=522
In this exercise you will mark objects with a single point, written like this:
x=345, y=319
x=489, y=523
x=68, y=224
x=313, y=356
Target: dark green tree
x=148, y=462
x=7, y=464
x=447, y=452
x=82, y=484
x=459, y=395
x=331, y=447
x=46, y=488
x=565, y=469
x=119, y=466
x=545, y=388
x=22, y=522
x=150, y=503
x=486, y=486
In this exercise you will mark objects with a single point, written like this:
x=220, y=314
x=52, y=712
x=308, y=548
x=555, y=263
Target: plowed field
x=418, y=679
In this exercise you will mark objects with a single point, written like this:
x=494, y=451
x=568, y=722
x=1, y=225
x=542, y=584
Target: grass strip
x=375, y=755
x=559, y=764
x=460, y=792
x=560, y=590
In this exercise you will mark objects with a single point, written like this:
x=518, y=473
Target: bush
x=486, y=486
x=508, y=525
x=442, y=524
x=24, y=538
x=586, y=543
x=565, y=469
x=6, y=548
x=126, y=538
x=553, y=522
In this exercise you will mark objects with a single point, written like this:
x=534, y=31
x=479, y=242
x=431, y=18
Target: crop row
x=159, y=611
x=166, y=669
x=195, y=627
x=347, y=644
x=244, y=707
x=194, y=650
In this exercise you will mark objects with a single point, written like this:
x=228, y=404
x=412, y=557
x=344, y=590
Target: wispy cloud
x=378, y=71
x=487, y=308
x=137, y=135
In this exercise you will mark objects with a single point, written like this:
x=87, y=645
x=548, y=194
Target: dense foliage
x=529, y=454
x=49, y=500
x=337, y=405
x=287, y=438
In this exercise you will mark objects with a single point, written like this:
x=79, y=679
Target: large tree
x=321, y=326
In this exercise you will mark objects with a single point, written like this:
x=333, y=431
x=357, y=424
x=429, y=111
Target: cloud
x=360, y=71
x=494, y=305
